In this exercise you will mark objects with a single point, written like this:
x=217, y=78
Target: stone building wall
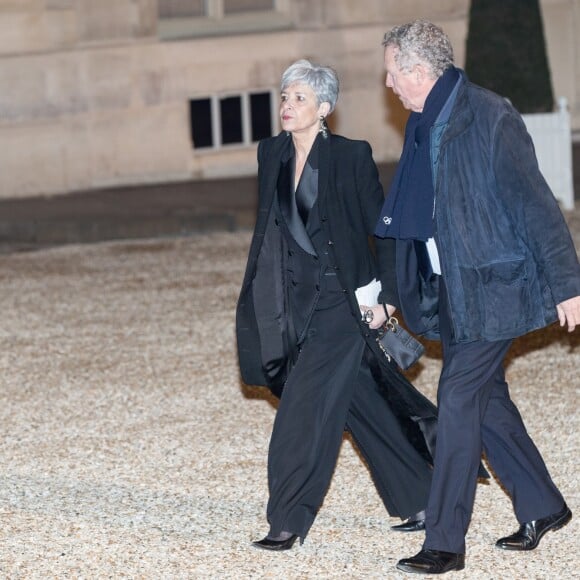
x=92, y=97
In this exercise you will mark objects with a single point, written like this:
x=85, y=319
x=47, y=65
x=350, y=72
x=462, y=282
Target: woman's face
x=299, y=109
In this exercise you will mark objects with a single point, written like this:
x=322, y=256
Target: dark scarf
x=408, y=209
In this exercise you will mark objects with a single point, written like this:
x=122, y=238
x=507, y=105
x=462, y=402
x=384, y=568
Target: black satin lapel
x=288, y=208
x=307, y=192
x=284, y=189
x=323, y=171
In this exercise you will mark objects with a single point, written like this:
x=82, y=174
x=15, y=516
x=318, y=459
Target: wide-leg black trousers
x=331, y=389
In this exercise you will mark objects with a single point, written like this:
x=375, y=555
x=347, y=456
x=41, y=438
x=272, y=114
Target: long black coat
x=350, y=198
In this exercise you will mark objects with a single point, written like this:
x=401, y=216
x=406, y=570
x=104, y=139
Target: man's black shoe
x=432, y=562
x=530, y=533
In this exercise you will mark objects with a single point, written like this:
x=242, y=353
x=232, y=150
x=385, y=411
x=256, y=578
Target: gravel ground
x=130, y=449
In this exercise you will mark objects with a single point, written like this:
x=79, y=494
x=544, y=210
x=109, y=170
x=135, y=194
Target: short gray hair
x=422, y=42
x=321, y=79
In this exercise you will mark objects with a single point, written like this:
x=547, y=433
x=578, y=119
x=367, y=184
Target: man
x=483, y=256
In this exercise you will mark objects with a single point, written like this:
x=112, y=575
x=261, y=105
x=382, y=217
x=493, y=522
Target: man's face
x=411, y=87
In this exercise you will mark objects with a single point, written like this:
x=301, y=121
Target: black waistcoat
x=311, y=279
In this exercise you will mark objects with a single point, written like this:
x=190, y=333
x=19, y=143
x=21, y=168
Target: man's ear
x=421, y=73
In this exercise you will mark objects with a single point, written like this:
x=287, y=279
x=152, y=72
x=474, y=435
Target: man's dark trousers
x=476, y=414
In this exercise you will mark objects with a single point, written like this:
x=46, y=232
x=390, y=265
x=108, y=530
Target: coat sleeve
x=371, y=198
x=532, y=207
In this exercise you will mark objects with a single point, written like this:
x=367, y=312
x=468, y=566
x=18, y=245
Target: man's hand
x=569, y=313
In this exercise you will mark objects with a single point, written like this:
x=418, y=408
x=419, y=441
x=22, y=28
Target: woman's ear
x=324, y=109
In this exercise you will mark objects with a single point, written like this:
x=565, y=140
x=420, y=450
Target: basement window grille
x=231, y=120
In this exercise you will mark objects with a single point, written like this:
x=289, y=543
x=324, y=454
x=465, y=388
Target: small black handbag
x=398, y=344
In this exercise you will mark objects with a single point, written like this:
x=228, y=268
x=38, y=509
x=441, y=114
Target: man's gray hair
x=422, y=42
x=321, y=79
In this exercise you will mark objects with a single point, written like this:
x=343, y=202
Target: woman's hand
x=378, y=316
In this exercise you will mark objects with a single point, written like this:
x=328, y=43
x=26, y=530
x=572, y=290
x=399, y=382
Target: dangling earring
x=323, y=128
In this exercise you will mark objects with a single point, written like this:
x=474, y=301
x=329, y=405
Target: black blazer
x=350, y=198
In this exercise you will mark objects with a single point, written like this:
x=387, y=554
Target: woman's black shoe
x=410, y=526
x=415, y=523
x=275, y=545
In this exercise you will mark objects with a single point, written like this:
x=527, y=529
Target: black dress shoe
x=411, y=525
x=275, y=545
x=432, y=562
x=530, y=533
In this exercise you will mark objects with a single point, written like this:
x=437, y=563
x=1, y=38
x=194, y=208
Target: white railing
x=552, y=137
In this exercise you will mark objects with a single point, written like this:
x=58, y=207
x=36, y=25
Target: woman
x=299, y=325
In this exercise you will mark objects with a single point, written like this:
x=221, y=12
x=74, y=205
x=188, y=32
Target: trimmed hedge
x=506, y=52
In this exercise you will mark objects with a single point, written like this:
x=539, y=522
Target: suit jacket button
x=330, y=242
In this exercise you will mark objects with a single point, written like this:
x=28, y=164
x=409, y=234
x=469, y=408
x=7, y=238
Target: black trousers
x=329, y=389
x=476, y=414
